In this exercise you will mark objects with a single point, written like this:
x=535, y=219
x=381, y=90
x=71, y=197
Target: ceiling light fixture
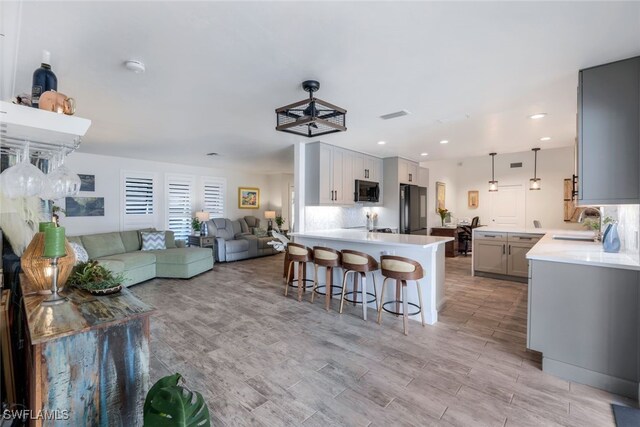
x=493, y=184
x=444, y=141
x=212, y=154
x=534, y=183
x=381, y=142
x=424, y=154
x=545, y=138
x=537, y=116
x=312, y=117
x=135, y=66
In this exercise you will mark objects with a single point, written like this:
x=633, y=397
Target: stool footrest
x=332, y=287
x=291, y=284
x=400, y=313
x=355, y=300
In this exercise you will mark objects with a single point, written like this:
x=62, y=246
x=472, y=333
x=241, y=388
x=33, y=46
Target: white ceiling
x=216, y=72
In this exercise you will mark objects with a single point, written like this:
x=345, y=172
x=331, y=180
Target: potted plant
x=169, y=404
x=443, y=214
x=196, y=225
x=279, y=222
x=95, y=279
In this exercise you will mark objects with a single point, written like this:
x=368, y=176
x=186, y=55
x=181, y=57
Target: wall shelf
x=47, y=133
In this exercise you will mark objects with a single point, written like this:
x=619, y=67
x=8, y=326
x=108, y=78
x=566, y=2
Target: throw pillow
x=153, y=240
x=169, y=239
x=260, y=232
x=80, y=252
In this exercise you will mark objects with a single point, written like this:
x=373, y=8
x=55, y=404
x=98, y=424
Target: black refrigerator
x=413, y=209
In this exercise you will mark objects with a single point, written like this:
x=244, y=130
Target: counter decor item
x=443, y=214
x=372, y=217
x=38, y=269
x=54, y=249
x=611, y=239
x=95, y=279
x=57, y=102
x=43, y=80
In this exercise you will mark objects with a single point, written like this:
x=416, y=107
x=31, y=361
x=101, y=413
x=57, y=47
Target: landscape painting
x=248, y=198
x=88, y=182
x=84, y=206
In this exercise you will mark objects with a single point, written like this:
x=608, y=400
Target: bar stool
x=301, y=255
x=401, y=269
x=329, y=259
x=358, y=264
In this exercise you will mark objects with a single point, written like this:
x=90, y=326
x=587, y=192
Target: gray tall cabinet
x=609, y=134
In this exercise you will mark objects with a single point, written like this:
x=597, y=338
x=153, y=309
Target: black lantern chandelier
x=534, y=183
x=493, y=184
x=311, y=117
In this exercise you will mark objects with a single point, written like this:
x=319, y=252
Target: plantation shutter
x=213, y=196
x=179, y=205
x=138, y=195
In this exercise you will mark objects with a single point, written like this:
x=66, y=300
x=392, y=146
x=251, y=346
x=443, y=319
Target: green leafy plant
x=279, y=221
x=443, y=214
x=169, y=404
x=195, y=224
x=592, y=224
x=91, y=276
x=608, y=220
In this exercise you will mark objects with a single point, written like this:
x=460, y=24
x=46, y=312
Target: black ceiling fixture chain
x=312, y=117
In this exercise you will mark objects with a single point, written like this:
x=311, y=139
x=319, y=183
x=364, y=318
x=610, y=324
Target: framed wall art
x=473, y=199
x=440, y=195
x=248, y=198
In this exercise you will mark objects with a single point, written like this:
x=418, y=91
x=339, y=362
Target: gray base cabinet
x=585, y=321
x=502, y=254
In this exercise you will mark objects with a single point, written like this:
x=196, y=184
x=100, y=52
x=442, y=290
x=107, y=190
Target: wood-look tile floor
x=262, y=359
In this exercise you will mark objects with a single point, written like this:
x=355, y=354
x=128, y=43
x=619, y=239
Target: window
x=213, y=196
x=139, y=201
x=179, y=204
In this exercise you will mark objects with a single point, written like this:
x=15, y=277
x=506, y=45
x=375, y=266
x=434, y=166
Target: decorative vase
x=36, y=268
x=611, y=239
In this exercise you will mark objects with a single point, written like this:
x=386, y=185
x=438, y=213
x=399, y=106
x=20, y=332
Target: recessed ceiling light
x=381, y=142
x=424, y=154
x=135, y=66
x=444, y=141
x=537, y=116
x=545, y=138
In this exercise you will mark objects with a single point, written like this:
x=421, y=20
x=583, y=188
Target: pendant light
x=493, y=184
x=534, y=183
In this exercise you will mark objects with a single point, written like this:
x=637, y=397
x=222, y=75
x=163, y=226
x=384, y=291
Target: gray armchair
x=234, y=240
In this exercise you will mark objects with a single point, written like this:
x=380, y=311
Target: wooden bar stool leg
x=288, y=279
x=329, y=288
x=344, y=288
x=363, y=279
x=398, y=296
x=420, y=301
x=355, y=289
x=384, y=284
x=300, y=282
x=315, y=281
x=375, y=291
x=304, y=274
x=405, y=307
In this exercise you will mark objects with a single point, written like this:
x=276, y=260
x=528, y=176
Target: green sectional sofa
x=120, y=252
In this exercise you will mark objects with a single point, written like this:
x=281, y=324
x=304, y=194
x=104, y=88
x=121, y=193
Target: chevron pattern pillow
x=153, y=240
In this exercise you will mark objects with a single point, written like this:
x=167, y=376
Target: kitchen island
x=583, y=313
x=427, y=250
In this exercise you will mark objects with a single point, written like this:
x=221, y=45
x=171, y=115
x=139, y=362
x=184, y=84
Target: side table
x=203, y=242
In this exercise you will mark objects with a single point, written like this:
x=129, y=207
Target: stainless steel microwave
x=367, y=191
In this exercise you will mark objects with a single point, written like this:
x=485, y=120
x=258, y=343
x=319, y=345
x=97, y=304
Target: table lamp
x=270, y=215
x=54, y=249
x=203, y=217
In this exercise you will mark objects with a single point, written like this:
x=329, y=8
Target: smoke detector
x=135, y=66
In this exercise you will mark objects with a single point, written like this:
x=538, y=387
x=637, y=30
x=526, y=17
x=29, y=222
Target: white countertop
x=361, y=236
x=503, y=229
x=583, y=253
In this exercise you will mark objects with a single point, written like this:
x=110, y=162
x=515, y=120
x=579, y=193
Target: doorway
x=508, y=206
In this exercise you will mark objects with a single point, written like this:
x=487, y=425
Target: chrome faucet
x=582, y=215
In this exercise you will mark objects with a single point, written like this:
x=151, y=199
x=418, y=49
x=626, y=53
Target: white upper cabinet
x=407, y=171
x=329, y=175
x=423, y=177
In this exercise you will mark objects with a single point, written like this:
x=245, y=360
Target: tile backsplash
x=329, y=217
x=628, y=217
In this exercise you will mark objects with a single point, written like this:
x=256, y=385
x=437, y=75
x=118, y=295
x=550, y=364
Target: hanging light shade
x=312, y=117
x=534, y=183
x=493, y=184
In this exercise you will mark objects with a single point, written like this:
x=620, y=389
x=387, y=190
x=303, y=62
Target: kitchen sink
x=575, y=237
